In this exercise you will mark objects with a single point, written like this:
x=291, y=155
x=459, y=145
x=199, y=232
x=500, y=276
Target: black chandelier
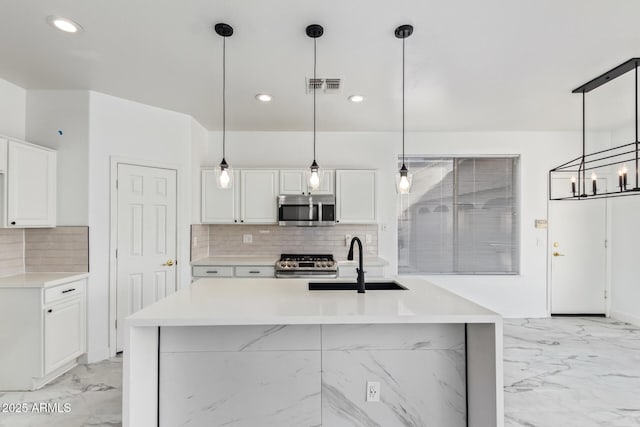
x=570, y=180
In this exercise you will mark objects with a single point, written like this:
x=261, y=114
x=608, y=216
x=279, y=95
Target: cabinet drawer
x=212, y=271
x=249, y=271
x=63, y=291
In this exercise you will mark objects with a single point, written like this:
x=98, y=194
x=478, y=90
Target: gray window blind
x=461, y=217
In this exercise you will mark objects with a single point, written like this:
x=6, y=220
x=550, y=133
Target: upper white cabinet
x=219, y=206
x=296, y=182
x=251, y=199
x=259, y=189
x=356, y=196
x=31, y=186
x=3, y=155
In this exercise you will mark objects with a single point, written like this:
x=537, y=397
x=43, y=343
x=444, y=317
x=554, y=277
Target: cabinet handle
x=337, y=220
x=68, y=290
x=13, y=223
x=254, y=272
x=212, y=272
x=50, y=311
x=235, y=220
x=242, y=220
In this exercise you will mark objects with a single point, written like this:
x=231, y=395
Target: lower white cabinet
x=233, y=271
x=64, y=332
x=43, y=325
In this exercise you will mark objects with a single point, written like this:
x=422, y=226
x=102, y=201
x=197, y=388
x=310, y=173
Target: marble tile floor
x=558, y=372
x=93, y=392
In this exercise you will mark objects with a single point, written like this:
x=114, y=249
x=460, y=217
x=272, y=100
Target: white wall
x=13, y=101
x=625, y=237
x=50, y=111
x=120, y=128
x=524, y=295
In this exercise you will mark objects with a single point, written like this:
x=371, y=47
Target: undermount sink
x=352, y=286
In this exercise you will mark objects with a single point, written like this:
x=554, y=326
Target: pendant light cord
x=403, y=102
x=584, y=144
x=637, y=126
x=224, y=95
x=314, y=99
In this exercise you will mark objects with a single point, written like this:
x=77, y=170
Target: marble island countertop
x=39, y=280
x=268, y=301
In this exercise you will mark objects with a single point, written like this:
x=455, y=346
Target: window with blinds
x=461, y=216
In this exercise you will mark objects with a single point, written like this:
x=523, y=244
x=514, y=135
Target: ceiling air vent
x=323, y=85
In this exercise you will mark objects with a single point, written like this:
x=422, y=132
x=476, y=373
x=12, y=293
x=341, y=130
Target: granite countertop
x=39, y=280
x=238, y=301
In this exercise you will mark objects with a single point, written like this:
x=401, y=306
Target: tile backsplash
x=33, y=250
x=60, y=249
x=272, y=240
x=11, y=251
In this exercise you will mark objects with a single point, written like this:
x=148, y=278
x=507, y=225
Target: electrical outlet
x=373, y=391
x=247, y=238
x=195, y=242
x=347, y=239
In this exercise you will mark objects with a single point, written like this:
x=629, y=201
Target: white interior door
x=577, y=232
x=146, y=238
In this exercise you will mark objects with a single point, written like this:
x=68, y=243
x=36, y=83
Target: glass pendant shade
x=403, y=180
x=315, y=177
x=224, y=175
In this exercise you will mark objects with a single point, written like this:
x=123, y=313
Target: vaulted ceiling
x=471, y=65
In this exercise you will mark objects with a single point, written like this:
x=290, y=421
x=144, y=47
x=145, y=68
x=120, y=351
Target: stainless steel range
x=291, y=265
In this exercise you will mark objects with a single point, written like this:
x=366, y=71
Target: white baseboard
x=629, y=318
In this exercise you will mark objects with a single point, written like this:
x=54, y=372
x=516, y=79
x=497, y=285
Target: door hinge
x=605, y=295
x=606, y=243
x=116, y=184
x=116, y=252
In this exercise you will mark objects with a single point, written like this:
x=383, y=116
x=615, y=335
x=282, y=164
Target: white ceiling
x=471, y=65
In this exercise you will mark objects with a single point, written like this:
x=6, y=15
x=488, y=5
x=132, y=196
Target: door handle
x=168, y=263
x=557, y=254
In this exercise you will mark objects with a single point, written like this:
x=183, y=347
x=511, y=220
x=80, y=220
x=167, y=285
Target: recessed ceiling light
x=64, y=24
x=264, y=97
x=356, y=98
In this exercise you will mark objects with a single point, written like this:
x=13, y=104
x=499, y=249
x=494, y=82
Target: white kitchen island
x=269, y=352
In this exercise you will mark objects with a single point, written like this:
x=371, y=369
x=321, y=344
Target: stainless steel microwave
x=306, y=211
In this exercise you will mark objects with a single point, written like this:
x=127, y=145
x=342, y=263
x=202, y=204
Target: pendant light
x=315, y=175
x=403, y=177
x=224, y=174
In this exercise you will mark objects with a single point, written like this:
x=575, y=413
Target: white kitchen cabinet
x=64, y=333
x=3, y=155
x=259, y=189
x=295, y=181
x=219, y=206
x=44, y=315
x=31, y=186
x=356, y=196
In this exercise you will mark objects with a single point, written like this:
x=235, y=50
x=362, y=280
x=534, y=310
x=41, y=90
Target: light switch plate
x=247, y=238
x=347, y=239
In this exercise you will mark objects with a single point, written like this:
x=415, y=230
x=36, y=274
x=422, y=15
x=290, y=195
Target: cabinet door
x=259, y=193
x=64, y=333
x=219, y=206
x=327, y=184
x=3, y=155
x=31, y=176
x=293, y=182
x=356, y=196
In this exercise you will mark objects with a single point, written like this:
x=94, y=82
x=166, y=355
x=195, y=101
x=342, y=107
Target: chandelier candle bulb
x=594, y=182
x=620, y=173
x=573, y=185
x=624, y=176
